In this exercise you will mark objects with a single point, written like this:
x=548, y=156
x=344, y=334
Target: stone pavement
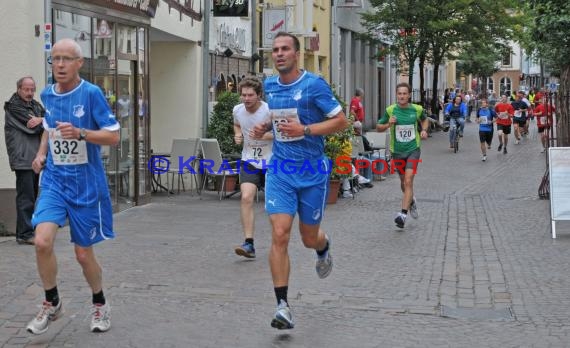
x=477, y=269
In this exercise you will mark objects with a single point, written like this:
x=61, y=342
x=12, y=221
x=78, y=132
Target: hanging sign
x=231, y=8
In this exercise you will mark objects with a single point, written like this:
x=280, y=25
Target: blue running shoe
x=283, y=319
x=246, y=250
x=324, y=262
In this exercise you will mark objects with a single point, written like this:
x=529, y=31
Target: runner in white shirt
x=256, y=153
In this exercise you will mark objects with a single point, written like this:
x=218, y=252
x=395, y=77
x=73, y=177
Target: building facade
x=131, y=50
x=355, y=62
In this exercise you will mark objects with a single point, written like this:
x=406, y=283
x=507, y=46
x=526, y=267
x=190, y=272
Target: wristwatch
x=82, y=134
x=307, y=130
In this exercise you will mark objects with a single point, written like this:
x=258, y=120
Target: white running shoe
x=484, y=158
x=400, y=220
x=324, y=263
x=362, y=180
x=414, y=209
x=47, y=313
x=282, y=319
x=100, y=317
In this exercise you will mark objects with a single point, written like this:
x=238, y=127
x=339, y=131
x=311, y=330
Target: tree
x=399, y=23
x=440, y=28
x=480, y=59
x=548, y=38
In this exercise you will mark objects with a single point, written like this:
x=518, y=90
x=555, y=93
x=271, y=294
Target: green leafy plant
x=339, y=144
x=221, y=125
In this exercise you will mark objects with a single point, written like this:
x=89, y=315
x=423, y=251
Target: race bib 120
x=405, y=133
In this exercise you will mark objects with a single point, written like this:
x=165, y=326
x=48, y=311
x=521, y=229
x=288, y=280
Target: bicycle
x=453, y=128
x=455, y=136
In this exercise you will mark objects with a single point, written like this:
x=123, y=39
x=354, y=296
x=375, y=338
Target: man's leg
x=453, y=130
x=100, y=311
x=25, y=200
x=406, y=185
x=248, y=191
x=280, y=267
x=278, y=254
x=500, y=137
x=407, y=182
x=47, y=269
x=313, y=236
x=45, y=256
x=91, y=269
x=461, y=125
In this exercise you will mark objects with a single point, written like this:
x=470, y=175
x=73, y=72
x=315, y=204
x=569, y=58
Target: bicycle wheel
x=456, y=144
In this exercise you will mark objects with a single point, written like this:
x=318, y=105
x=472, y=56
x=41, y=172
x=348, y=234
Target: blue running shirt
x=79, y=177
x=486, y=116
x=313, y=100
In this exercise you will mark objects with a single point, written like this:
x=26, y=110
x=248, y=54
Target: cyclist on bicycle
x=456, y=113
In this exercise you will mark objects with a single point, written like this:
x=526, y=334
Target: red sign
x=314, y=43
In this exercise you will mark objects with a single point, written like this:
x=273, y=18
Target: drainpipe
x=253, y=35
x=47, y=19
x=205, y=65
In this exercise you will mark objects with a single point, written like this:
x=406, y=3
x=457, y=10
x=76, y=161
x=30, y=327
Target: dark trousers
x=26, y=193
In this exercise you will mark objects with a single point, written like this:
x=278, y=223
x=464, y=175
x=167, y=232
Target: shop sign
x=274, y=21
x=145, y=8
x=312, y=43
x=232, y=37
x=231, y=8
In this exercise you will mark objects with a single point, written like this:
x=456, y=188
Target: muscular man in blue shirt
x=303, y=110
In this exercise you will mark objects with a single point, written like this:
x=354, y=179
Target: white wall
x=21, y=54
x=176, y=93
x=169, y=22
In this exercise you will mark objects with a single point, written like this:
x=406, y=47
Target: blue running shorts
x=297, y=191
x=88, y=225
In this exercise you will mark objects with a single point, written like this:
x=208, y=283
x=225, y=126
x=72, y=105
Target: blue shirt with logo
x=314, y=101
x=83, y=107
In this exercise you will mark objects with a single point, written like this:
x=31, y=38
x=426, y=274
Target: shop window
x=490, y=84
x=59, y=18
x=221, y=85
x=506, y=85
x=103, y=32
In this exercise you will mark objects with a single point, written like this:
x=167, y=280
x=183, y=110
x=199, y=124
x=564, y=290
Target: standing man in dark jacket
x=23, y=129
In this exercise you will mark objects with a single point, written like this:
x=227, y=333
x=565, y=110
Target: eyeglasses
x=62, y=59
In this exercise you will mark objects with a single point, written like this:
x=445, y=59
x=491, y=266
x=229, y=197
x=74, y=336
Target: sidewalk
x=477, y=269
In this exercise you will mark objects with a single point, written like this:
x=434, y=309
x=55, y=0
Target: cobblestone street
x=477, y=269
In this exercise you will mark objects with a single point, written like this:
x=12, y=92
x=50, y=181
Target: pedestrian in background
x=73, y=184
x=23, y=131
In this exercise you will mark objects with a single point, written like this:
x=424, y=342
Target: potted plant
x=221, y=127
x=338, y=149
